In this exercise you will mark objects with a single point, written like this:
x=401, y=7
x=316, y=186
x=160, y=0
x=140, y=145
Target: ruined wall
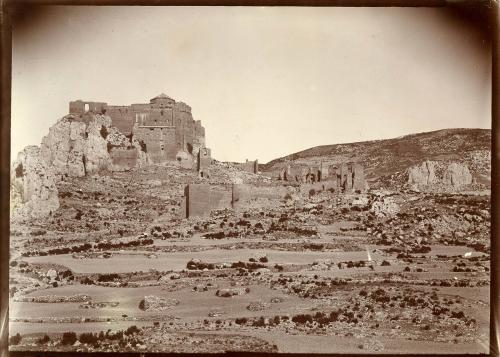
x=250, y=166
x=201, y=199
x=81, y=107
x=345, y=177
x=204, y=162
x=122, y=117
x=159, y=142
x=302, y=173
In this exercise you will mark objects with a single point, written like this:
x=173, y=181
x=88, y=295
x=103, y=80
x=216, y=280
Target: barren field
x=315, y=273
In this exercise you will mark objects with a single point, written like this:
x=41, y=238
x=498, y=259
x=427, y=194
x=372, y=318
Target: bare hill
x=391, y=156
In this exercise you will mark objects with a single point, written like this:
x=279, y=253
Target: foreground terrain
x=116, y=268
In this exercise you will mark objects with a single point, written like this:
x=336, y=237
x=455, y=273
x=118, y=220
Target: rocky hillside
x=393, y=157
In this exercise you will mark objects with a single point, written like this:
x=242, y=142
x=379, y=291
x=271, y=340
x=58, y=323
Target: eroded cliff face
x=431, y=174
x=33, y=191
x=457, y=175
x=72, y=148
x=77, y=149
x=423, y=174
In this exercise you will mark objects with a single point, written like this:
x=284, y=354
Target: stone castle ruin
x=164, y=128
x=345, y=177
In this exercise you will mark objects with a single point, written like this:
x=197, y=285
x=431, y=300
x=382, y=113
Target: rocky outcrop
x=457, y=175
x=439, y=175
x=33, y=185
x=72, y=148
x=423, y=174
x=76, y=149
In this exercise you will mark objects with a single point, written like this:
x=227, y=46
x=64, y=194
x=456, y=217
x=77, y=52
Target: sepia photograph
x=211, y=179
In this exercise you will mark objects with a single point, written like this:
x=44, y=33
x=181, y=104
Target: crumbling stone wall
x=201, y=199
x=250, y=166
x=346, y=177
x=204, y=162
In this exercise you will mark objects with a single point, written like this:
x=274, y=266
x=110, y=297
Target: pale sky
x=265, y=82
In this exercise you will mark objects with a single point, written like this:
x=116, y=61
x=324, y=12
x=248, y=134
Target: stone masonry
x=165, y=128
x=345, y=177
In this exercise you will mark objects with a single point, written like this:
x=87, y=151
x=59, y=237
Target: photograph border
x=490, y=13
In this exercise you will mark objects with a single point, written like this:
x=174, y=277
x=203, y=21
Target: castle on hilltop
x=165, y=128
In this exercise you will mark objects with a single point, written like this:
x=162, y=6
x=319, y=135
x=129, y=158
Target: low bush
x=68, y=338
x=15, y=340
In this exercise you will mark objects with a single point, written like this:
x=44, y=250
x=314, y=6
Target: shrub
x=385, y=263
x=15, y=340
x=302, y=318
x=263, y=259
x=86, y=281
x=68, y=338
x=89, y=338
x=43, y=340
x=131, y=330
x=312, y=192
x=107, y=277
x=261, y=322
x=142, y=305
x=457, y=315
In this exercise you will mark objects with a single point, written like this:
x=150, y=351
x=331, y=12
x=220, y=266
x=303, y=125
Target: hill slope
x=387, y=157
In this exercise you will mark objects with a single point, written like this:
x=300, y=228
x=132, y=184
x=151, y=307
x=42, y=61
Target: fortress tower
x=165, y=127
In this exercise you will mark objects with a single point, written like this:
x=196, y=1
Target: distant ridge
x=389, y=156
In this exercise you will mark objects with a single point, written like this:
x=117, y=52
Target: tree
x=68, y=338
x=15, y=340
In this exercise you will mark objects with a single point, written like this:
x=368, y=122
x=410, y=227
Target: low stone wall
x=200, y=199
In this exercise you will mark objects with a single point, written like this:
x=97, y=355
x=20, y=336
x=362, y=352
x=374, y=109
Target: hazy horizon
x=265, y=81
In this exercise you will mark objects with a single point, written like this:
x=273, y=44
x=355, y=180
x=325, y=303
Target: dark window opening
x=190, y=148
